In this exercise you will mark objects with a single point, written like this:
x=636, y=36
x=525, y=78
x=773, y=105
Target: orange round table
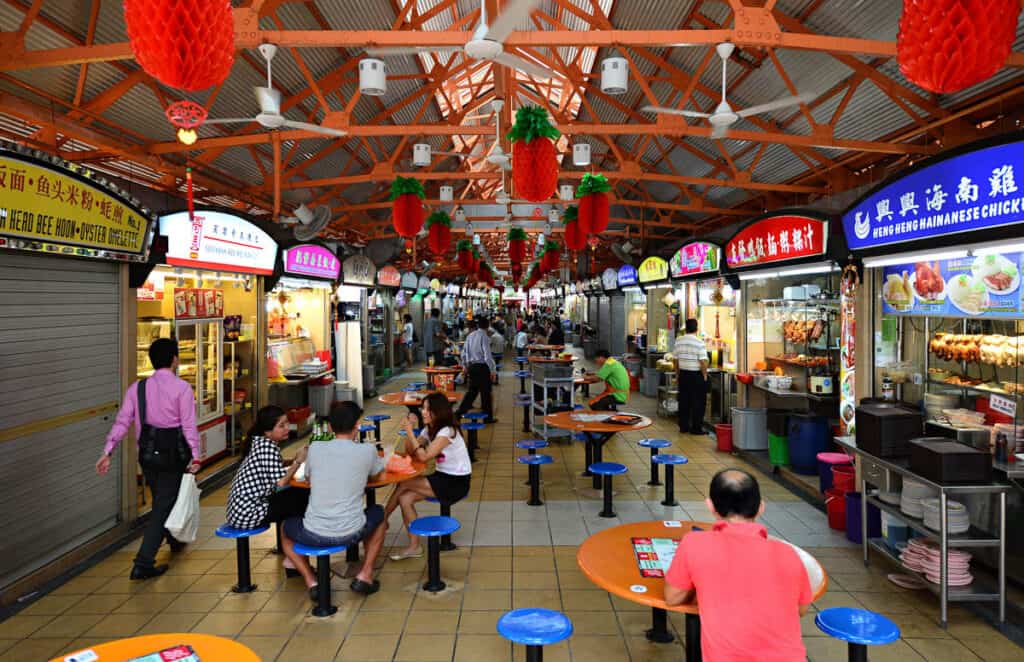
x=545, y=348
x=207, y=647
x=447, y=372
x=552, y=359
x=596, y=432
x=607, y=558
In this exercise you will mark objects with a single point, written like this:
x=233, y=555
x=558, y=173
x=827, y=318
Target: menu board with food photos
x=981, y=286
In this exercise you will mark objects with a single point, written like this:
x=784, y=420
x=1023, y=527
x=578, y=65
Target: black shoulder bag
x=160, y=449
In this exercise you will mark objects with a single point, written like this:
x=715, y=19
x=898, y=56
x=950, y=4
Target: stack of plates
x=891, y=498
x=923, y=556
x=910, y=498
x=958, y=519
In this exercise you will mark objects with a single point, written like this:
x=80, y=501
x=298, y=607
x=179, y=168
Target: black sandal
x=359, y=586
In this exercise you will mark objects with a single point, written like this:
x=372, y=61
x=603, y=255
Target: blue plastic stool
x=409, y=389
x=534, y=628
x=531, y=445
x=433, y=528
x=607, y=469
x=475, y=416
x=654, y=445
x=525, y=401
x=534, y=461
x=860, y=628
x=472, y=428
x=376, y=420
x=522, y=359
x=669, y=460
x=523, y=375
x=446, y=511
x=241, y=537
x=418, y=385
x=363, y=429
x=323, y=575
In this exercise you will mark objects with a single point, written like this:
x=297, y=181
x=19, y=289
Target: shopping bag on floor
x=183, y=522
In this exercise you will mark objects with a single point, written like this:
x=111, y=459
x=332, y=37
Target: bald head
x=735, y=493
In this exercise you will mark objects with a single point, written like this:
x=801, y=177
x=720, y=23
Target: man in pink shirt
x=752, y=591
x=170, y=408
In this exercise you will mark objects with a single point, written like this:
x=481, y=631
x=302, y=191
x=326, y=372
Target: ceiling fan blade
x=410, y=50
x=675, y=111
x=461, y=155
x=516, y=62
x=512, y=15
x=777, y=104
x=316, y=128
x=230, y=120
x=719, y=132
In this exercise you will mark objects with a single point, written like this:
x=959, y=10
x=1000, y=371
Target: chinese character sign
x=312, y=260
x=652, y=270
x=971, y=191
x=696, y=258
x=216, y=240
x=777, y=239
x=627, y=275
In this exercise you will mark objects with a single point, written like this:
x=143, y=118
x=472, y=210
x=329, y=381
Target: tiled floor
x=510, y=555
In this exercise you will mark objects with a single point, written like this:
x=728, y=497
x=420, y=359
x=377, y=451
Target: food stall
x=634, y=303
x=354, y=371
x=942, y=332
x=652, y=275
x=381, y=313
x=611, y=314
x=209, y=296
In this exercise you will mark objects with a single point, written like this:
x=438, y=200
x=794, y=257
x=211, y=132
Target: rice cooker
x=822, y=385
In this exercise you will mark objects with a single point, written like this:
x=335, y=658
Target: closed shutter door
x=59, y=386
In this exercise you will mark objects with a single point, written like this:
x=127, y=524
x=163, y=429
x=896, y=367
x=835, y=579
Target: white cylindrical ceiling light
x=614, y=75
x=447, y=194
x=421, y=154
x=553, y=216
x=581, y=154
x=460, y=215
x=567, y=192
x=373, y=77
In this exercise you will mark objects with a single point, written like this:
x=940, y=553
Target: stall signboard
x=312, y=261
x=966, y=192
x=982, y=286
x=198, y=303
x=652, y=270
x=409, y=281
x=775, y=239
x=435, y=284
x=52, y=209
x=217, y=240
x=626, y=276
x=595, y=283
x=609, y=279
x=700, y=257
x=358, y=270
x=423, y=283
x=388, y=276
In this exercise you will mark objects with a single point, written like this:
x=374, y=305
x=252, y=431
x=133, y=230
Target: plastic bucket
x=894, y=530
x=723, y=431
x=778, y=449
x=844, y=478
x=853, y=519
x=808, y=436
x=750, y=428
x=825, y=463
x=835, y=506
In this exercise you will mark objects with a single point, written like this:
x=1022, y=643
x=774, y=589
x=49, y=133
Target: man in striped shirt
x=478, y=364
x=692, y=355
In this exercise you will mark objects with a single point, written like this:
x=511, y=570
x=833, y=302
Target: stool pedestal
x=670, y=487
x=323, y=606
x=606, y=494
x=244, y=584
x=434, y=583
x=446, y=540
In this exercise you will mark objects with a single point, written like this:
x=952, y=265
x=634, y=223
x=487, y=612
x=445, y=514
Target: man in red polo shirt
x=752, y=590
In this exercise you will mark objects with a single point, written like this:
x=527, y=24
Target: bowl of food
x=937, y=374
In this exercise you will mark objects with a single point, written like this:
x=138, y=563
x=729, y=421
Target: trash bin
x=750, y=428
x=320, y=398
x=808, y=436
x=778, y=449
x=343, y=392
x=853, y=520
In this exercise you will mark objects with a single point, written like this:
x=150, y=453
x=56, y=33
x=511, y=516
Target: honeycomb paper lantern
x=439, y=233
x=184, y=44
x=534, y=157
x=407, y=206
x=464, y=255
x=595, y=207
x=945, y=46
x=575, y=235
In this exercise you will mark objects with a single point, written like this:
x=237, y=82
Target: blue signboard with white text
x=983, y=286
x=977, y=190
x=627, y=275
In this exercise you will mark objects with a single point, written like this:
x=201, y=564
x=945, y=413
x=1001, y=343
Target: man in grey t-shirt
x=338, y=471
x=433, y=337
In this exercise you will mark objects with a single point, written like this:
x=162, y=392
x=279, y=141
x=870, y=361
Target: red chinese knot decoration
x=184, y=44
x=534, y=159
x=439, y=233
x=575, y=236
x=945, y=46
x=185, y=114
x=595, y=207
x=407, y=206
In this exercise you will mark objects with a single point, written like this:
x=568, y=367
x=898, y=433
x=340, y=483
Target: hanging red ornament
x=594, y=204
x=945, y=46
x=517, y=239
x=517, y=271
x=575, y=237
x=439, y=233
x=477, y=260
x=406, y=206
x=534, y=158
x=194, y=53
x=464, y=255
x=552, y=255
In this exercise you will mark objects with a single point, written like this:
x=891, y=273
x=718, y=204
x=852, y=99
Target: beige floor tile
x=479, y=622
x=490, y=563
x=586, y=600
x=918, y=626
x=482, y=648
x=310, y=649
x=378, y=622
x=69, y=626
x=286, y=601
x=266, y=648
x=145, y=603
x=489, y=580
x=541, y=599
x=224, y=625
x=619, y=604
x=368, y=648
x=192, y=603
x=245, y=602
x=534, y=580
x=593, y=622
x=100, y=604
x=36, y=649
x=392, y=600
x=885, y=603
x=595, y=647
x=935, y=650
x=171, y=622
x=474, y=600
x=447, y=600
x=117, y=626
x=425, y=648
x=268, y=623
x=82, y=585
x=993, y=648
x=642, y=649
x=52, y=605
x=432, y=622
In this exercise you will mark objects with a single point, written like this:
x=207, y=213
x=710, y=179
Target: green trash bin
x=778, y=449
x=387, y=373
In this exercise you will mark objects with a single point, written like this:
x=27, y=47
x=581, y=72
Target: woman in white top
x=408, y=338
x=441, y=441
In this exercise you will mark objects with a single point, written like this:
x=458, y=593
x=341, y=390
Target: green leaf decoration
x=571, y=215
x=407, y=185
x=532, y=123
x=593, y=184
x=517, y=233
x=552, y=245
x=476, y=254
x=439, y=218
x=464, y=245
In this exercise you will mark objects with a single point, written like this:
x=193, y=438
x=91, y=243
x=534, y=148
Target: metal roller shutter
x=60, y=383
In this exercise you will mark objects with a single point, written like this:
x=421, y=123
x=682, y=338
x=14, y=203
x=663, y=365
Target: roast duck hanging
x=991, y=349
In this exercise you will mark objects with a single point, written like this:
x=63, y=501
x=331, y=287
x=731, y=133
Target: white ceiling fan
x=487, y=41
x=269, y=99
x=502, y=198
x=724, y=116
x=309, y=223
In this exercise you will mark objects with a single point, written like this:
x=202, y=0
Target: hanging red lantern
x=575, y=237
x=517, y=239
x=534, y=158
x=407, y=206
x=464, y=255
x=439, y=233
x=476, y=261
x=195, y=54
x=517, y=272
x=595, y=206
x=552, y=255
x=945, y=46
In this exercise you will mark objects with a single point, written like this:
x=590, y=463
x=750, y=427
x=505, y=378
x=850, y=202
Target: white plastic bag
x=183, y=522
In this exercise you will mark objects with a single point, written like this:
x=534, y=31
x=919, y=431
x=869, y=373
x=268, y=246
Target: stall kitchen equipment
x=942, y=245
x=635, y=308
x=611, y=314
x=380, y=321
x=351, y=326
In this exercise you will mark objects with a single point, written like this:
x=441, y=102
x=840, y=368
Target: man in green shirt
x=616, y=382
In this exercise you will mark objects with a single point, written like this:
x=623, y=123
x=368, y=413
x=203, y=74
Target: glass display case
x=147, y=330
x=797, y=348
x=200, y=363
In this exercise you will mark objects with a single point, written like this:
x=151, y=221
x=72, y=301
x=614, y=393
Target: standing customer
x=434, y=337
x=752, y=590
x=478, y=364
x=170, y=415
x=522, y=340
x=408, y=338
x=692, y=394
